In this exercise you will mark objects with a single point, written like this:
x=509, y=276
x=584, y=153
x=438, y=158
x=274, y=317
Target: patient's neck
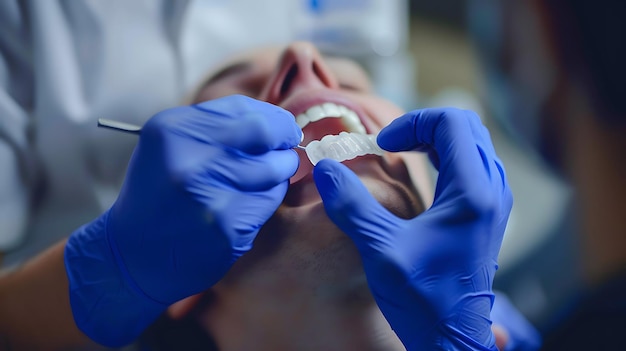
x=304, y=291
x=298, y=318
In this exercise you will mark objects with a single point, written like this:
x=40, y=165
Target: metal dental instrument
x=133, y=129
x=342, y=147
x=119, y=126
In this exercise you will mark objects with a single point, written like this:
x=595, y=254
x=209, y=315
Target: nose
x=301, y=67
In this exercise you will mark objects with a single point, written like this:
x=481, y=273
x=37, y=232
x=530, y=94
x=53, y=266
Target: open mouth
x=349, y=119
x=321, y=116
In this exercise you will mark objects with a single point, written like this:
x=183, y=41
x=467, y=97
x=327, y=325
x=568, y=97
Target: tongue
x=321, y=128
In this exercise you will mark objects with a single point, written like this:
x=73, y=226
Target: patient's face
x=318, y=88
x=303, y=272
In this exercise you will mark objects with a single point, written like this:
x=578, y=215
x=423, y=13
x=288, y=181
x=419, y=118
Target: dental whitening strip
x=342, y=147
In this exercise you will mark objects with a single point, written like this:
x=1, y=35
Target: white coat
x=64, y=64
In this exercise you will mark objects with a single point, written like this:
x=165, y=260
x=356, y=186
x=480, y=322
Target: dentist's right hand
x=202, y=181
x=431, y=275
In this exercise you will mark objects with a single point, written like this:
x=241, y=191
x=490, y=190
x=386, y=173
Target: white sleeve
x=18, y=169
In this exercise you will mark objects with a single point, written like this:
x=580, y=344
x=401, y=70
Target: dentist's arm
x=431, y=275
x=202, y=181
x=35, y=309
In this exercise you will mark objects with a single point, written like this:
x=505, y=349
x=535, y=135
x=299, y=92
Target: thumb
x=352, y=208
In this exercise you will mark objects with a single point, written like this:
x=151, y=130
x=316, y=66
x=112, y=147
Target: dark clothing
x=596, y=322
x=169, y=335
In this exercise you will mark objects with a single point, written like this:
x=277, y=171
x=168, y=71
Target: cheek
x=212, y=92
x=216, y=92
x=395, y=197
x=420, y=172
x=382, y=111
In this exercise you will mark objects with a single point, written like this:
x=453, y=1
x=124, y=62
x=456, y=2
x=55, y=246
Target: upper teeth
x=328, y=109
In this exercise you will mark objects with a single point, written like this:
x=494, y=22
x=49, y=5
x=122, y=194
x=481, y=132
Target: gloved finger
x=241, y=215
x=461, y=171
x=352, y=208
x=245, y=172
x=236, y=121
x=493, y=166
x=485, y=146
x=499, y=171
x=248, y=125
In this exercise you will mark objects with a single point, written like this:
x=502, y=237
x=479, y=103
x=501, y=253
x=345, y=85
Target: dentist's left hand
x=430, y=275
x=202, y=181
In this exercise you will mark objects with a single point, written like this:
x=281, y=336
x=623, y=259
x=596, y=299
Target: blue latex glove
x=431, y=275
x=202, y=181
x=522, y=336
